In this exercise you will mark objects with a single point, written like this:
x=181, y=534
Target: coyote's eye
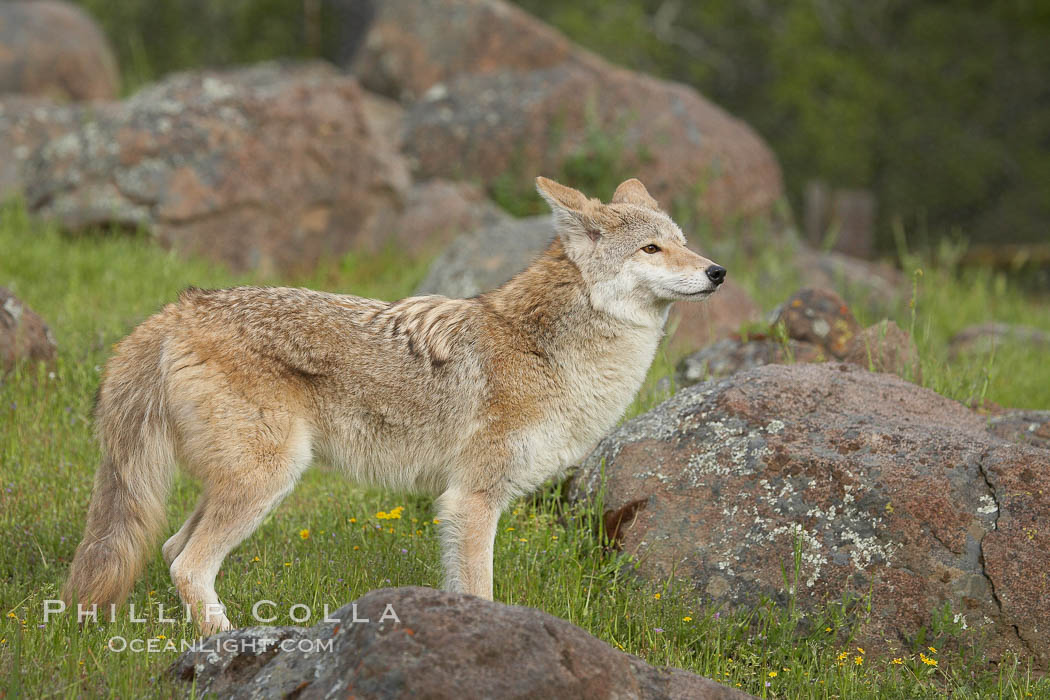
x=651, y=248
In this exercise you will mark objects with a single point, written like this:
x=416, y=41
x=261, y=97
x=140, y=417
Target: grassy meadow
x=331, y=542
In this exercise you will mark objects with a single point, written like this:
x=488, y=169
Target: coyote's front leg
x=468, y=530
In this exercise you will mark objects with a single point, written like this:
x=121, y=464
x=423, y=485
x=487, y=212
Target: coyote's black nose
x=716, y=273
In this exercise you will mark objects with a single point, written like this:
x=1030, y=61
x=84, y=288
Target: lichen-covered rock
x=821, y=317
x=419, y=642
x=54, y=49
x=25, y=124
x=267, y=167
x=888, y=489
x=23, y=334
x=487, y=257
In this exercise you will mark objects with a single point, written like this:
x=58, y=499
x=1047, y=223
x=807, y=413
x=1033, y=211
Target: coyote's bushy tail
x=127, y=510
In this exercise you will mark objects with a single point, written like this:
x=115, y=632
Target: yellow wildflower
x=858, y=660
x=843, y=656
x=657, y=596
x=510, y=529
x=304, y=534
x=898, y=660
x=687, y=619
x=288, y=563
x=772, y=674
x=861, y=650
x=827, y=629
x=255, y=558
x=927, y=660
x=933, y=649
x=353, y=520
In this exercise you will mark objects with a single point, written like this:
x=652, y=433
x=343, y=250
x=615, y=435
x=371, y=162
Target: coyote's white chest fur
x=597, y=393
x=476, y=400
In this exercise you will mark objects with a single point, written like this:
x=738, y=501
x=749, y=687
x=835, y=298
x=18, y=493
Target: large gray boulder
x=486, y=257
x=437, y=645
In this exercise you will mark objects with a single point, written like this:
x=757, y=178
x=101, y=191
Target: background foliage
x=942, y=109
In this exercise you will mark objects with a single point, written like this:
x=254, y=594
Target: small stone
x=819, y=316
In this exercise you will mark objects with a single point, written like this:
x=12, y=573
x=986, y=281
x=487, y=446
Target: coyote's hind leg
x=177, y=542
x=240, y=489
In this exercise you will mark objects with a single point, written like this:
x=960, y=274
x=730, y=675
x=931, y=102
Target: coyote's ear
x=570, y=208
x=633, y=192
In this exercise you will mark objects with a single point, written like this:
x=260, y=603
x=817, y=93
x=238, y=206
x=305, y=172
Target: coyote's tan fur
x=475, y=400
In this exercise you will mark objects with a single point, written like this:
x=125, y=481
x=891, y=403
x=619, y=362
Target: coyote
x=477, y=401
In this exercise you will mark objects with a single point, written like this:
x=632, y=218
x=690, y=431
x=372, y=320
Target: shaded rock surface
x=878, y=286
x=411, y=46
x=487, y=257
x=441, y=645
x=885, y=347
x=54, y=49
x=23, y=334
x=430, y=214
x=817, y=326
x=887, y=488
x=495, y=92
x=732, y=355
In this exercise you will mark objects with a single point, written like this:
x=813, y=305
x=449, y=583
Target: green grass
x=325, y=545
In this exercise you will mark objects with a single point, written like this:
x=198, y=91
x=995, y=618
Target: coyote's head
x=633, y=258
